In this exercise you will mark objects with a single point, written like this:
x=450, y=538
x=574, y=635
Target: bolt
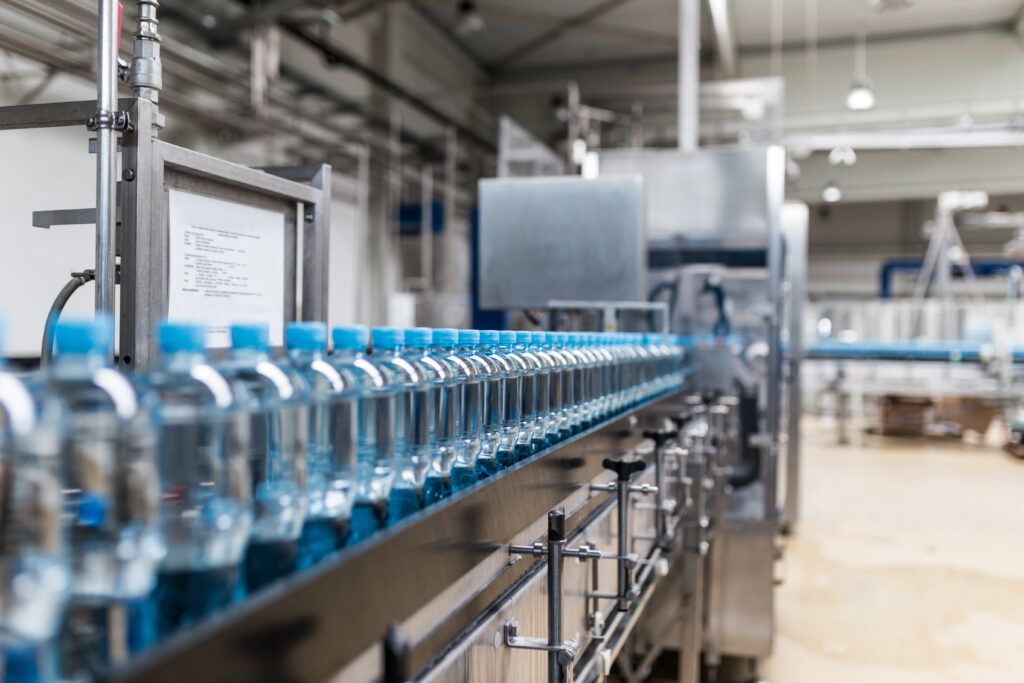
x=128, y=174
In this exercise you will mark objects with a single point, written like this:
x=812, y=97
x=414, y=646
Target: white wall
x=42, y=169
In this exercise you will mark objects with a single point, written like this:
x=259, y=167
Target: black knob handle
x=396, y=656
x=660, y=436
x=624, y=469
x=556, y=525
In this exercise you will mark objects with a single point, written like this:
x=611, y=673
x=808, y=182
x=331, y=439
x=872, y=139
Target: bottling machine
x=652, y=533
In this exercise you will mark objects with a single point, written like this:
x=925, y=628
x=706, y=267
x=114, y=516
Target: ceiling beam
x=555, y=32
x=725, y=36
x=596, y=28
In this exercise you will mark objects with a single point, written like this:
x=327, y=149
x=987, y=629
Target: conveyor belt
x=935, y=351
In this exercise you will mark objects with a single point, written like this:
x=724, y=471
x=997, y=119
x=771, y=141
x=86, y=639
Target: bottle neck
x=178, y=361
x=443, y=350
x=250, y=355
x=470, y=349
x=305, y=355
x=348, y=354
x=71, y=363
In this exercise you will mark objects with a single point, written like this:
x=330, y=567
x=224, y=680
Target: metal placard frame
x=149, y=167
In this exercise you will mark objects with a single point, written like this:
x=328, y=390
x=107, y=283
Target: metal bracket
x=565, y=652
x=114, y=120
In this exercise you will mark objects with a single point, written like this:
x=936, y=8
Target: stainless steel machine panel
x=741, y=588
x=723, y=195
x=560, y=238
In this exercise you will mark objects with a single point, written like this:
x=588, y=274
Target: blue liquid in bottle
x=420, y=348
x=374, y=387
x=278, y=425
x=414, y=422
x=110, y=497
x=206, y=507
x=33, y=437
x=332, y=441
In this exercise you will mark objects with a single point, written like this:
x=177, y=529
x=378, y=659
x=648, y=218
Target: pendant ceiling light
x=861, y=96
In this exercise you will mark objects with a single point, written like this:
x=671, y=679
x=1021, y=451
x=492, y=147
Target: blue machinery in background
x=981, y=267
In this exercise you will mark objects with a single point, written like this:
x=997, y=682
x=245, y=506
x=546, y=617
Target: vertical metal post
x=106, y=155
x=556, y=540
x=693, y=571
x=622, y=496
x=688, y=94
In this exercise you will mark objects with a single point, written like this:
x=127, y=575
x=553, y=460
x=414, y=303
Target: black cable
x=76, y=281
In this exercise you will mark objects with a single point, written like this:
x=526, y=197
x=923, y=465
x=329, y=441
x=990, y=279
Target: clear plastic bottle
x=332, y=440
x=414, y=421
x=375, y=397
x=522, y=390
x=549, y=395
x=461, y=355
x=476, y=346
x=580, y=382
x=35, y=575
x=419, y=348
x=504, y=403
x=564, y=384
x=278, y=451
x=111, y=498
x=205, y=501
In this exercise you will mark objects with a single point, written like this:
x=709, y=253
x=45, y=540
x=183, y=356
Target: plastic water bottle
x=503, y=396
x=278, y=425
x=332, y=442
x=375, y=399
x=520, y=392
x=469, y=401
x=35, y=576
x=419, y=349
x=487, y=404
x=205, y=501
x=563, y=386
x=542, y=436
x=580, y=382
x=111, y=498
x=414, y=421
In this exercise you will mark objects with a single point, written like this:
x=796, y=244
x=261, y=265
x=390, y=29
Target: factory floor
x=907, y=565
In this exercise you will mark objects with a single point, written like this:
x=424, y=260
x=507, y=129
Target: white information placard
x=226, y=265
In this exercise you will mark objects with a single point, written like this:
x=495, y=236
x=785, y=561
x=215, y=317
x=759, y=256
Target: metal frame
x=149, y=167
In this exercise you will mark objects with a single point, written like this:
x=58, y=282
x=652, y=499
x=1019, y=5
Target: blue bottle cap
x=523, y=338
x=562, y=338
x=418, y=337
x=306, y=336
x=85, y=335
x=550, y=339
x=445, y=337
x=255, y=336
x=387, y=338
x=350, y=337
x=537, y=339
x=507, y=337
x=489, y=337
x=179, y=337
x=469, y=338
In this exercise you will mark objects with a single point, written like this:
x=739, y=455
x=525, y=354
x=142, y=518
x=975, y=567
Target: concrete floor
x=907, y=565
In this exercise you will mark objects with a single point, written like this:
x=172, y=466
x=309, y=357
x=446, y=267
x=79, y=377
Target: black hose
x=76, y=281
x=749, y=468
x=673, y=287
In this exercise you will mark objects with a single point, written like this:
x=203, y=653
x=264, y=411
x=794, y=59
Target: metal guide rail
x=443, y=572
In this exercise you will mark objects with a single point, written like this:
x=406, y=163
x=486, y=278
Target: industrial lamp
x=831, y=194
x=861, y=96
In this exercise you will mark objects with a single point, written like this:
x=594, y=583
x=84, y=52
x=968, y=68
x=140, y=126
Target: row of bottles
x=132, y=506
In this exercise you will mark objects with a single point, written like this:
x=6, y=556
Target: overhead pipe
x=106, y=152
x=688, y=93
